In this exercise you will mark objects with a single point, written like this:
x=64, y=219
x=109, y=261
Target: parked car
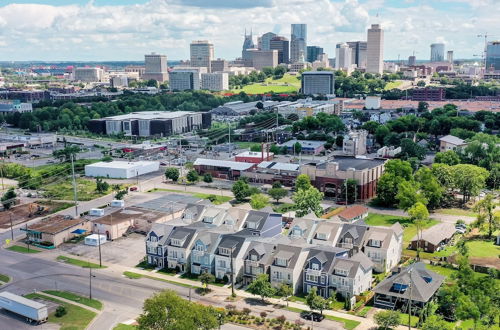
x=133, y=189
x=316, y=317
x=163, y=164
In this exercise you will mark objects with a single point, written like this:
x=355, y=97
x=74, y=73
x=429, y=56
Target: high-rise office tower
x=247, y=44
x=202, y=54
x=313, y=52
x=449, y=56
x=437, y=52
x=282, y=45
x=343, y=57
x=375, y=50
x=265, y=40
x=298, y=42
x=358, y=53
x=155, y=67
x=493, y=56
x=412, y=60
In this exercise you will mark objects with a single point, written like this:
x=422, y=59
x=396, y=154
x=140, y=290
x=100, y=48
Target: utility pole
x=11, y=229
x=27, y=238
x=409, y=303
x=90, y=282
x=229, y=133
x=232, y=274
x=74, y=186
x=99, y=245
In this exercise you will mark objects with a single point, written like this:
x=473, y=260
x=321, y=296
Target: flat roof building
x=375, y=50
x=318, y=82
x=155, y=67
x=55, y=230
x=202, y=54
x=120, y=170
x=88, y=74
x=182, y=79
x=218, y=81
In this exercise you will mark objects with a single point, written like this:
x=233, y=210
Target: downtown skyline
x=103, y=31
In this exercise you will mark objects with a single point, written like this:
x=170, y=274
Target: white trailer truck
x=32, y=310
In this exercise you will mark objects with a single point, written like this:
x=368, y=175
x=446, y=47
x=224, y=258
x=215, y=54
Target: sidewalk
x=70, y=302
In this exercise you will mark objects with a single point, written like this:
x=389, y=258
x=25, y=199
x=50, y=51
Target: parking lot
x=126, y=251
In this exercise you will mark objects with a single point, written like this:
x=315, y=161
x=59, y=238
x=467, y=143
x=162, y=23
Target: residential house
x=353, y=213
x=318, y=267
x=235, y=218
x=302, y=230
x=203, y=253
x=352, y=238
x=384, y=246
x=179, y=247
x=263, y=224
x=352, y=276
x=450, y=142
x=287, y=266
x=257, y=260
x=326, y=232
x=434, y=238
x=229, y=256
x=156, y=249
x=414, y=282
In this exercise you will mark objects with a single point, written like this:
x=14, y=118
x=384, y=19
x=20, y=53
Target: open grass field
x=483, y=249
x=76, y=298
x=458, y=212
x=64, y=190
x=393, y=84
x=287, y=84
x=219, y=199
x=76, y=318
x=22, y=249
x=78, y=262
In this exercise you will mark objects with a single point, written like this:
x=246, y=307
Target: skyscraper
x=155, y=67
x=493, y=55
x=298, y=42
x=343, y=57
x=358, y=53
x=437, y=52
x=202, y=53
x=282, y=45
x=247, y=44
x=313, y=52
x=412, y=60
x=375, y=50
x=265, y=40
x=449, y=56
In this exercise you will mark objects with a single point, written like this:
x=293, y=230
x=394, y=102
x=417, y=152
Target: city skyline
x=100, y=31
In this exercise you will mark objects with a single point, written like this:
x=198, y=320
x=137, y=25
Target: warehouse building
x=151, y=123
x=120, y=170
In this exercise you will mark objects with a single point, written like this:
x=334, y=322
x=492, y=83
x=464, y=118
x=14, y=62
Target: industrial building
x=151, y=123
x=120, y=170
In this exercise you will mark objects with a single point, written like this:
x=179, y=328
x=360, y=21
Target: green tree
x=259, y=201
x=297, y=148
x=261, y=286
x=208, y=178
x=449, y=157
x=277, y=193
x=485, y=209
x=275, y=149
x=302, y=182
x=387, y=319
x=409, y=194
x=411, y=149
x=285, y=291
x=469, y=179
x=64, y=155
x=241, y=190
x=255, y=148
x=206, y=279
x=419, y=215
x=167, y=311
x=192, y=176
x=316, y=302
x=8, y=198
x=430, y=187
x=444, y=175
x=307, y=201
x=101, y=186
x=277, y=184
x=172, y=173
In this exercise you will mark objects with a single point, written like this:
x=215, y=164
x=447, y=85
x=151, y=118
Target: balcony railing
x=252, y=263
x=313, y=272
x=345, y=245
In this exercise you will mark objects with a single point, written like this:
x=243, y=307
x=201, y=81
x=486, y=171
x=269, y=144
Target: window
x=252, y=225
x=322, y=279
x=321, y=236
x=253, y=257
x=199, y=247
x=348, y=240
x=224, y=251
x=208, y=219
x=297, y=231
x=173, y=254
x=278, y=275
x=126, y=126
x=341, y=272
x=152, y=239
x=281, y=262
x=375, y=243
x=176, y=242
x=159, y=250
x=311, y=278
x=222, y=263
x=314, y=266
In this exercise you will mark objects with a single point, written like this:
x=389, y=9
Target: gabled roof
x=438, y=233
x=265, y=250
x=452, y=140
x=162, y=230
x=288, y=252
x=182, y=233
x=424, y=283
x=325, y=255
x=231, y=241
x=210, y=240
x=353, y=212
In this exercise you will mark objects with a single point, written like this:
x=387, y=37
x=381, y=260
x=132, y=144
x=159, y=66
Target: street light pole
x=99, y=245
x=232, y=274
x=11, y=229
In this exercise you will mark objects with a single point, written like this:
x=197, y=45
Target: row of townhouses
x=331, y=255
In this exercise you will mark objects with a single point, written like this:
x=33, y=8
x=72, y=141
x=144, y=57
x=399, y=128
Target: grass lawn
x=478, y=248
x=403, y=320
x=163, y=280
x=246, y=145
x=287, y=84
x=122, y=326
x=364, y=311
x=465, y=213
x=283, y=207
x=4, y=278
x=219, y=199
x=64, y=190
x=392, y=84
x=76, y=318
x=76, y=298
x=194, y=277
x=132, y=275
x=445, y=271
x=78, y=262
x=22, y=249
x=348, y=324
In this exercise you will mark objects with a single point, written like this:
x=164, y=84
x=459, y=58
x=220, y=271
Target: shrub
x=212, y=198
x=61, y=311
x=281, y=319
x=246, y=311
x=262, y=314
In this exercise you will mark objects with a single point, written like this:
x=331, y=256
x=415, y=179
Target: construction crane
x=485, y=36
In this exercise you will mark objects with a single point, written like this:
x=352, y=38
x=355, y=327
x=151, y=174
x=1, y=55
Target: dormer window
x=153, y=239
x=375, y=243
x=296, y=231
x=341, y=272
x=314, y=266
x=199, y=247
x=176, y=242
x=348, y=240
x=208, y=220
x=281, y=262
x=253, y=257
x=252, y=225
x=224, y=251
x=399, y=287
x=321, y=236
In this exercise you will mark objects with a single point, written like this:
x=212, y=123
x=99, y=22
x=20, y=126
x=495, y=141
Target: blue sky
x=127, y=29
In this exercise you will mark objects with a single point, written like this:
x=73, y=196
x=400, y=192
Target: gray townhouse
x=231, y=249
x=326, y=233
x=384, y=246
x=203, y=253
x=257, y=260
x=302, y=230
x=351, y=237
x=351, y=276
x=287, y=266
x=262, y=224
x=156, y=240
x=179, y=246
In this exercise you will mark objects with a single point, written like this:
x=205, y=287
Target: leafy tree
x=493, y=180
x=120, y=194
x=449, y=157
x=307, y=201
x=167, y=311
x=419, y=214
x=275, y=149
x=485, y=209
x=192, y=176
x=381, y=133
x=387, y=319
x=409, y=194
x=316, y=302
x=277, y=193
x=172, y=173
x=444, y=175
x=101, y=186
x=241, y=190
x=64, y=155
x=370, y=126
x=423, y=107
x=411, y=149
x=259, y=201
x=469, y=180
x=297, y=148
x=400, y=168
x=255, y=148
x=206, y=279
x=302, y=182
x=285, y=291
x=207, y=178
x=277, y=184
x=261, y=286
x=351, y=186
x=8, y=198
x=430, y=187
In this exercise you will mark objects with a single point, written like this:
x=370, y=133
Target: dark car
x=163, y=164
x=316, y=317
x=133, y=189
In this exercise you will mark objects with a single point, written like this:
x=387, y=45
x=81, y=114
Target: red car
x=133, y=189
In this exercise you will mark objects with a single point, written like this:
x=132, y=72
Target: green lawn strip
x=348, y=324
x=458, y=212
x=122, y=326
x=76, y=318
x=165, y=280
x=403, y=320
x=482, y=249
x=76, y=298
x=246, y=145
x=22, y=249
x=4, y=278
x=132, y=275
x=194, y=277
x=78, y=262
x=219, y=199
x=364, y=311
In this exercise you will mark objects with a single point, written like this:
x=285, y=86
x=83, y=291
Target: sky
x=112, y=30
